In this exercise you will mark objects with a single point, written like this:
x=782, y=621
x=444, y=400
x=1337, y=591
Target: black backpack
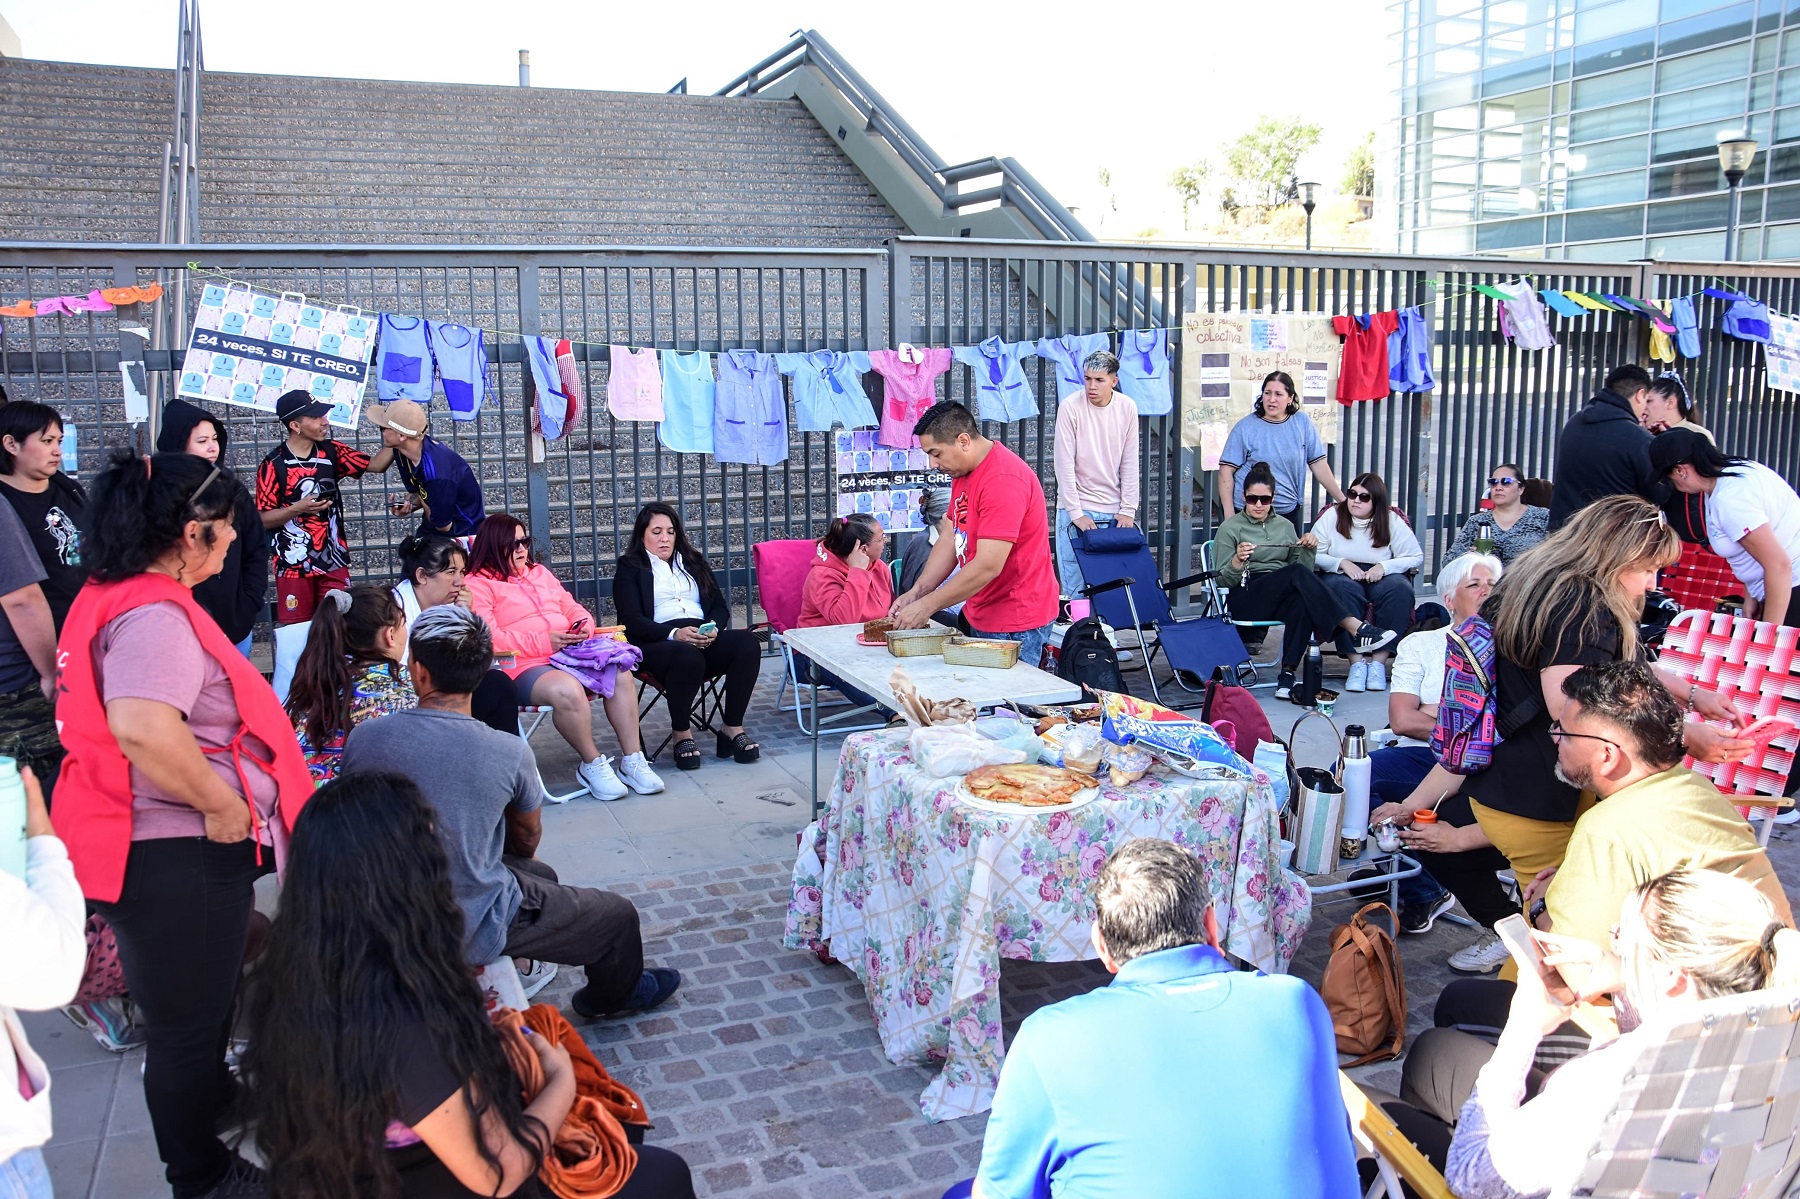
x=1088, y=658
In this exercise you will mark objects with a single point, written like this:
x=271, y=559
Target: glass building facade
x=1587, y=128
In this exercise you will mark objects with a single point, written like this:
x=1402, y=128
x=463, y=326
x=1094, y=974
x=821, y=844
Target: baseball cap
x=297, y=403
x=1669, y=450
x=402, y=416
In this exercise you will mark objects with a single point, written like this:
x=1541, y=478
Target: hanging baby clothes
x=1662, y=349
x=553, y=403
x=1144, y=370
x=1364, y=372
x=750, y=410
x=688, y=392
x=828, y=389
x=910, y=373
x=571, y=379
x=1747, y=320
x=1687, y=326
x=403, y=360
x=1409, y=353
x=1002, y=392
x=1069, y=352
x=634, y=389
x=1561, y=304
x=1522, y=317
x=461, y=356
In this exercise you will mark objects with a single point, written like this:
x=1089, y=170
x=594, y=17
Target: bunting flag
x=1562, y=305
x=1589, y=302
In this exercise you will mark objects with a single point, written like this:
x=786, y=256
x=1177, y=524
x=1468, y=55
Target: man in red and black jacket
x=297, y=493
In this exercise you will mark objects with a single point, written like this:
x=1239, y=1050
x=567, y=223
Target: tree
x=1264, y=160
x=1359, y=168
x=1191, y=183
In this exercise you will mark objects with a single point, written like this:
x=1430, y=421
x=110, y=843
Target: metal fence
x=1493, y=403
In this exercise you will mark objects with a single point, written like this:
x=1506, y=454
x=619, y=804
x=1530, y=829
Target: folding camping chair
x=781, y=569
x=1121, y=577
x=707, y=705
x=530, y=716
x=1756, y=665
x=1214, y=603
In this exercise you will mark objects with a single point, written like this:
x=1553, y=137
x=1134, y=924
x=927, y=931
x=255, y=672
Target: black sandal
x=739, y=749
x=687, y=754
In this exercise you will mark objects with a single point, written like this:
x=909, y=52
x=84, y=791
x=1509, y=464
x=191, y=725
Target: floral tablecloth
x=923, y=895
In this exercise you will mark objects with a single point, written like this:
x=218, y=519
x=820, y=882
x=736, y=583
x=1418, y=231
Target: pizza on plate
x=1028, y=785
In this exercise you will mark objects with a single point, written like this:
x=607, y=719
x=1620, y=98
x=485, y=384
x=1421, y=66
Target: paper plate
x=878, y=643
x=1086, y=795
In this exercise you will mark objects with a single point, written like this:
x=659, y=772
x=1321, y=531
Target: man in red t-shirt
x=997, y=536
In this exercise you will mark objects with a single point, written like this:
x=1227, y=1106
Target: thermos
x=1354, y=774
x=1312, y=678
x=12, y=818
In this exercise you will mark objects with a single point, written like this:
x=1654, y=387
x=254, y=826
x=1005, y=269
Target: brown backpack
x=1365, y=989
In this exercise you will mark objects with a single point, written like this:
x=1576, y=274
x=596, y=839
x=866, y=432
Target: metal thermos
x=1312, y=677
x=1354, y=773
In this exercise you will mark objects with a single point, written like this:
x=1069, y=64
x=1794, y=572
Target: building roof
x=297, y=159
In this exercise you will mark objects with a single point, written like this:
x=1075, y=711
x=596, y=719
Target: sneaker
x=242, y=1181
x=1284, y=685
x=536, y=978
x=1485, y=956
x=1788, y=817
x=653, y=989
x=1372, y=639
x=1377, y=676
x=598, y=777
x=1417, y=918
x=1359, y=677
x=634, y=770
x=109, y=1022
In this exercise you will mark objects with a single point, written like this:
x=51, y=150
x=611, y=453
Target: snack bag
x=1127, y=720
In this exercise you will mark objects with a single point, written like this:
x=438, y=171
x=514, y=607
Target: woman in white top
x=1752, y=518
x=1365, y=551
x=432, y=569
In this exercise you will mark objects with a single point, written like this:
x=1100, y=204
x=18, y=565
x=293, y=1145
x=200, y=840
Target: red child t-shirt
x=1364, y=373
x=1002, y=500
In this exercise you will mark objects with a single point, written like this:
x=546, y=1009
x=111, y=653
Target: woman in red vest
x=181, y=781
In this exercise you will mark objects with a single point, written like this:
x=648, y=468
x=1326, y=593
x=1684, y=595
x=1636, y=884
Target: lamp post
x=1736, y=151
x=1309, y=201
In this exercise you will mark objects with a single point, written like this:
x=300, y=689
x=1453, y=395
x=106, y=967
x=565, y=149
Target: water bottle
x=12, y=818
x=1355, y=778
x=1312, y=678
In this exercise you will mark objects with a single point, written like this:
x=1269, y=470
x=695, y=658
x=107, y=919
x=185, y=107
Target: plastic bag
x=1272, y=759
x=1125, y=763
x=1076, y=746
x=947, y=750
x=1129, y=720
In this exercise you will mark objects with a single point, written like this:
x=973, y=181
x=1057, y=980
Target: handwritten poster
x=1781, y=356
x=248, y=348
x=882, y=482
x=1233, y=352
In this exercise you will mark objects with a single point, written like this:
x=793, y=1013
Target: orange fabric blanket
x=590, y=1157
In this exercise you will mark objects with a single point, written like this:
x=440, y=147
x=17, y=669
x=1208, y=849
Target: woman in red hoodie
x=849, y=583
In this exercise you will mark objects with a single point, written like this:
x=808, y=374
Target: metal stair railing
x=1016, y=188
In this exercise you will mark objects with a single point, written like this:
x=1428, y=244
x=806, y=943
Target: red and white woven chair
x=1700, y=579
x=1755, y=665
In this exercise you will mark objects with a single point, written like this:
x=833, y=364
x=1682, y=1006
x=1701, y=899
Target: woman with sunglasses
x=1365, y=552
x=532, y=615
x=1512, y=525
x=1270, y=572
x=1283, y=439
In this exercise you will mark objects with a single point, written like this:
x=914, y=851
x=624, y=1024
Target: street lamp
x=1309, y=201
x=1736, y=150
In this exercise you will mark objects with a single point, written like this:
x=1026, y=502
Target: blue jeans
x=1031, y=641
x=1393, y=775
x=1067, y=569
x=24, y=1176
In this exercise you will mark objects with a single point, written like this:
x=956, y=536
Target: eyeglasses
x=1362, y=496
x=1258, y=499
x=1558, y=732
x=1502, y=481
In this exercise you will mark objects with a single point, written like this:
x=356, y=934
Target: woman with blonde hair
x=1572, y=601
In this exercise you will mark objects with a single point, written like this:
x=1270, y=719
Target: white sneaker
x=1377, y=676
x=1485, y=956
x=634, y=770
x=536, y=978
x=598, y=777
x=1359, y=677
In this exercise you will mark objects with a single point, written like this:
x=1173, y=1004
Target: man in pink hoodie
x=1096, y=462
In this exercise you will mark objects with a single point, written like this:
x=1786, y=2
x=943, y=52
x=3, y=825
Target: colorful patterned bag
x=1467, y=730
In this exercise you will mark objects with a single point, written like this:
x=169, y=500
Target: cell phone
x=708, y=629
x=1766, y=730
x=1515, y=934
x=575, y=626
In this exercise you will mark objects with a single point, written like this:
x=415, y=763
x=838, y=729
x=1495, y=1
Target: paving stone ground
x=766, y=1072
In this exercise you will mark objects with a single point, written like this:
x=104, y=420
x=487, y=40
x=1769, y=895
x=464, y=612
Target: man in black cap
x=297, y=493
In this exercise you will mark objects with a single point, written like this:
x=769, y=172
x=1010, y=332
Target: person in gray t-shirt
x=1278, y=433
x=27, y=656
x=485, y=789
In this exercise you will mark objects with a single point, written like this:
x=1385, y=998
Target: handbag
x=103, y=977
x=1318, y=798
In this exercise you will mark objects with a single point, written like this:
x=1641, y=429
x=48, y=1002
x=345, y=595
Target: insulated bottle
x=1312, y=677
x=12, y=818
x=1355, y=778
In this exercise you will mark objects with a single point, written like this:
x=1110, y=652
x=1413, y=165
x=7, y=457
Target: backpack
x=1234, y=708
x=1467, y=728
x=1088, y=658
x=1364, y=988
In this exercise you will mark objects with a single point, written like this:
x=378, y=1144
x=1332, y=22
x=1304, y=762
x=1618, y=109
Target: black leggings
x=496, y=702
x=1296, y=597
x=181, y=921
x=681, y=669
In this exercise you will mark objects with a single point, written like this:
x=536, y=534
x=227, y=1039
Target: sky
x=1067, y=89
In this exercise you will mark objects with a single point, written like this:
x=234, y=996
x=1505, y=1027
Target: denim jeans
x=24, y=1176
x=1394, y=774
x=1031, y=641
x=1067, y=569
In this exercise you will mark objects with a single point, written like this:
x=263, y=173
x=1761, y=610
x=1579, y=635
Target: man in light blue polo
x=1184, y=1077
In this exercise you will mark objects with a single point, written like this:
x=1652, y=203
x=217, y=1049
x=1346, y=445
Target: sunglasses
x=1502, y=481
x=1258, y=499
x=523, y=543
x=1558, y=732
x=1363, y=496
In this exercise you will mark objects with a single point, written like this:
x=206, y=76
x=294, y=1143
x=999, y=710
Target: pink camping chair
x=781, y=568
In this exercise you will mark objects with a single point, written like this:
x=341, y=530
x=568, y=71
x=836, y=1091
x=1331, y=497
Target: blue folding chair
x=1122, y=583
x=1215, y=603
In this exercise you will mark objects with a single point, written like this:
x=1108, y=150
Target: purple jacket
x=597, y=661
